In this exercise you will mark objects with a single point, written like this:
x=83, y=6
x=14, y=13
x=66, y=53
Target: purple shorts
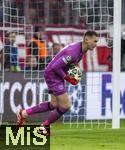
x=56, y=85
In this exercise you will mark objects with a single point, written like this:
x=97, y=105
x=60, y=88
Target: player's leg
x=42, y=107
x=63, y=106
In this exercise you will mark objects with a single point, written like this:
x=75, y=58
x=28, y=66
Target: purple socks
x=47, y=106
x=42, y=107
x=55, y=115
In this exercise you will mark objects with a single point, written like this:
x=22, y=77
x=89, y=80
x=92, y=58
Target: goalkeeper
x=55, y=76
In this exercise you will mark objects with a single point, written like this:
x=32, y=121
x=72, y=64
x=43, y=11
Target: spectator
x=56, y=47
x=11, y=53
x=31, y=63
x=62, y=46
x=37, y=47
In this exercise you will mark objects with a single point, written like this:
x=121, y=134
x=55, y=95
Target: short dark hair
x=90, y=33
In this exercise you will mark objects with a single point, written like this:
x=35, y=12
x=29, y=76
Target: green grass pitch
x=87, y=139
x=66, y=138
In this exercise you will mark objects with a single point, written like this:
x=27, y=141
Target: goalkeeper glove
x=71, y=80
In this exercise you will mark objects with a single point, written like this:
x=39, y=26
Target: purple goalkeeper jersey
x=70, y=54
x=57, y=68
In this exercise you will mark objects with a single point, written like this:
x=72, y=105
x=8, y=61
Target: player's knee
x=54, y=102
x=62, y=110
x=66, y=104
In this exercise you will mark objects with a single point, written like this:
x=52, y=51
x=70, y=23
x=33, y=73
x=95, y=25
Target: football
x=75, y=72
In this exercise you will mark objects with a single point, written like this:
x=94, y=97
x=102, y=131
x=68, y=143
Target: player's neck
x=84, y=47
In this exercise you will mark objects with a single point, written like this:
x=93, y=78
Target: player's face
x=91, y=42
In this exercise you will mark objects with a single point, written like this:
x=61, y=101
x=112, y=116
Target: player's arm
x=60, y=64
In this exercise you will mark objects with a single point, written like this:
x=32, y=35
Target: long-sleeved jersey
x=70, y=54
x=56, y=70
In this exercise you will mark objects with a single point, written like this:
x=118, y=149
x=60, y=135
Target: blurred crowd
x=39, y=53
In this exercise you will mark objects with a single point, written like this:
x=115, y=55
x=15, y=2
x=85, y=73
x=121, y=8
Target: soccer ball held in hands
x=75, y=72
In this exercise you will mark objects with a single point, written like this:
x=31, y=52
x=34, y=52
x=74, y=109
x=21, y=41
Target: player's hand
x=71, y=80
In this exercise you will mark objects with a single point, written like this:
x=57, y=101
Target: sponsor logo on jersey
x=67, y=59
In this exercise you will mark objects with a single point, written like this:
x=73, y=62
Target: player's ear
x=86, y=39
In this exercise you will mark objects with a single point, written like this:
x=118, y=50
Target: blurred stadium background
x=58, y=23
